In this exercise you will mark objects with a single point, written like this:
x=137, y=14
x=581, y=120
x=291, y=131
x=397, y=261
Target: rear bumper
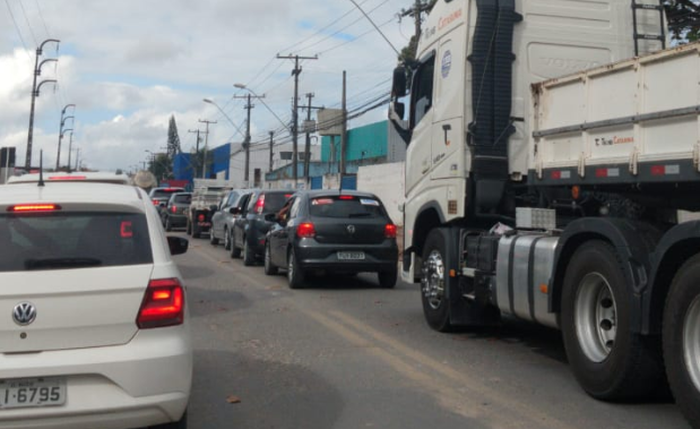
x=313, y=255
x=145, y=382
x=177, y=220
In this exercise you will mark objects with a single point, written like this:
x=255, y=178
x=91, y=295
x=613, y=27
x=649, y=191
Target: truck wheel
x=248, y=254
x=295, y=274
x=609, y=361
x=188, y=228
x=196, y=233
x=227, y=240
x=270, y=269
x=434, y=293
x=168, y=224
x=212, y=239
x=387, y=279
x=681, y=339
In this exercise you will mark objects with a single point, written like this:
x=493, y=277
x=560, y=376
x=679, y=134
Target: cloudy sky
x=129, y=65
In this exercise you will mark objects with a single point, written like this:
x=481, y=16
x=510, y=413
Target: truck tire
x=681, y=339
x=295, y=274
x=196, y=233
x=387, y=279
x=270, y=269
x=434, y=281
x=609, y=361
x=227, y=240
x=188, y=228
x=212, y=239
x=248, y=254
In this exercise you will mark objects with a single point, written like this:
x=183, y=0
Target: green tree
x=173, y=138
x=683, y=19
x=161, y=166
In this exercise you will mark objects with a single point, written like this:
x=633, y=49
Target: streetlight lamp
x=61, y=132
x=35, y=94
x=212, y=102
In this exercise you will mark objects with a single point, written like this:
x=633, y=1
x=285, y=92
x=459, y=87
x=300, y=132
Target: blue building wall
x=219, y=158
x=369, y=141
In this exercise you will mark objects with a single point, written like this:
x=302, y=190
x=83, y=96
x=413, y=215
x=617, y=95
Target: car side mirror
x=178, y=245
x=271, y=217
x=234, y=210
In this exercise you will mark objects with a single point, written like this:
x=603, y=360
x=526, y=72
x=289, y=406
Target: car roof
x=73, y=177
x=74, y=194
x=335, y=192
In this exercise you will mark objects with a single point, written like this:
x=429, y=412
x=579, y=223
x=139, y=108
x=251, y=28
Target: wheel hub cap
x=595, y=317
x=691, y=342
x=433, y=279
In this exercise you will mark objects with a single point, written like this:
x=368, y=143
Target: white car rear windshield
x=72, y=240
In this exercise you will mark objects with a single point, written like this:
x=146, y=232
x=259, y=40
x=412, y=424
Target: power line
x=355, y=39
x=41, y=15
x=31, y=31
x=19, y=33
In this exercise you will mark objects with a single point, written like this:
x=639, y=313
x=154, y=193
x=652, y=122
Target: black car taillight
x=174, y=209
x=163, y=304
x=390, y=230
x=306, y=230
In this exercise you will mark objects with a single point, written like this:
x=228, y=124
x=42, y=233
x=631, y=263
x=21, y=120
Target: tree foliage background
x=683, y=19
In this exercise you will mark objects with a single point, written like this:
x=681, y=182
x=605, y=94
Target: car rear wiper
x=359, y=214
x=37, y=264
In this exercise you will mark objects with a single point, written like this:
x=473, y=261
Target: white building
x=260, y=161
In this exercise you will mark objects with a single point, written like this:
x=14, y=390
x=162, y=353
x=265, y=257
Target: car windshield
x=73, y=240
x=345, y=207
x=163, y=193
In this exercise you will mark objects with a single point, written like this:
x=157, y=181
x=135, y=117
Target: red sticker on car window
x=126, y=229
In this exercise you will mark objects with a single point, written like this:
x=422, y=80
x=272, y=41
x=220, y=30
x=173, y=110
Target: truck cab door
x=419, y=151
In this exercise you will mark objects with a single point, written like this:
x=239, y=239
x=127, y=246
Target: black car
x=250, y=228
x=333, y=231
x=174, y=213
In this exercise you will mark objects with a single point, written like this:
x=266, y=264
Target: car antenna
x=41, y=168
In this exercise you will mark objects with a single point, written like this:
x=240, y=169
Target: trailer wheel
x=434, y=293
x=188, y=227
x=609, y=361
x=681, y=339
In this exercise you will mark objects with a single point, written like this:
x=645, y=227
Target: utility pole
x=344, y=132
x=307, y=147
x=295, y=109
x=35, y=94
x=61, y=131
x=246, y=143
x=206, y=141
x=272, y=143
x=196, y=153
x=70, y=148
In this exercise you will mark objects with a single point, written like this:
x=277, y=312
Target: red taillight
x=163, y=304
x=390, y=230
x=156, y=202
x=61, y=178
x=346, y=197
x=34, y=208
x=260, y=204
x=173, y=209
x=201, y=218
x=306, y=230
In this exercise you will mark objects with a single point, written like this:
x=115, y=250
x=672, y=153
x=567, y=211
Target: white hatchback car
x=94, y=330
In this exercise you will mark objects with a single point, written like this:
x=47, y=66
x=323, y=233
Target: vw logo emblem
x=24, y=313
x=351, y=229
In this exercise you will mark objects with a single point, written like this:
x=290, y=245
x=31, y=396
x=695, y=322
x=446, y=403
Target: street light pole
x=35, y=93
x=70, y=148
x=246, y=144
x=61, y=132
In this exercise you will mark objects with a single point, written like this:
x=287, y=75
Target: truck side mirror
x=399, y=87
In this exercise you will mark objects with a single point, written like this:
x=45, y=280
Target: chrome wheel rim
x=433, y=279
x=691, y=342
x=595, y=317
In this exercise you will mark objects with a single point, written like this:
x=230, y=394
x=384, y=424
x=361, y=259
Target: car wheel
x=681, y=339
x=168, y=224
x=387, y=279
x=434, y=282
x=235, y=251
x=227, y=240
x=180, y=424
x=212, y=238
x=248, y=254
x=295, y=274
x=270, y=269
x=609, y=360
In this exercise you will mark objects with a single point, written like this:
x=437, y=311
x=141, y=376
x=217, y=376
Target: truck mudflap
x=634, y=243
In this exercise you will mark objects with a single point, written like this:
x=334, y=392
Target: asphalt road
x=345, y=354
